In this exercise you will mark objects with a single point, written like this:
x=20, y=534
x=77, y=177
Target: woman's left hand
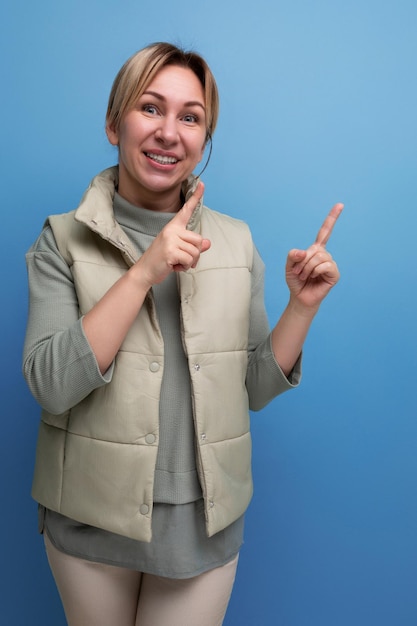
x=311, y=273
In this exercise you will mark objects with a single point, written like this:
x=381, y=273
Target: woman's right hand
x=174, y=249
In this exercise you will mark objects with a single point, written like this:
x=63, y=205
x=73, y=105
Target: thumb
x=205, y=245
x=184, y=214
x=295, y=256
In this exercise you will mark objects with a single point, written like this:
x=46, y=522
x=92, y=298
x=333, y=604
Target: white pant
x=94, y=594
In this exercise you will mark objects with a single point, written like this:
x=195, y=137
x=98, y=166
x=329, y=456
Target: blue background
x=318, y=105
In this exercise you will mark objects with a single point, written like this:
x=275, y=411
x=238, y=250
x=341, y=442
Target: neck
x=167, y=201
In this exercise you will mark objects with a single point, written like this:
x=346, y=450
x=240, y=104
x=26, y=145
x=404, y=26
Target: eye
x=150, y=108
x=190, y=118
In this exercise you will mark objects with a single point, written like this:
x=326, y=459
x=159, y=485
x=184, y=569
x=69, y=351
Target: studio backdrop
x=318, y=106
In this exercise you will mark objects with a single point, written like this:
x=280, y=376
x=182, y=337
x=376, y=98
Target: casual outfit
x=147, y=467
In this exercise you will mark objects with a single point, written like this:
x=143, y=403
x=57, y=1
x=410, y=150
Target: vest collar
x=96, y=206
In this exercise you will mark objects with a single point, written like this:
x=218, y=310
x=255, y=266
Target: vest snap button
x=197, y=367
x=144, y=509
x=150, y=438
x=154, y=366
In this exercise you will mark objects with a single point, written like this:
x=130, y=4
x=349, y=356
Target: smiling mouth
x=162, y=160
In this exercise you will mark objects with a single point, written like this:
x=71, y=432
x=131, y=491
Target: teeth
x=163, y=160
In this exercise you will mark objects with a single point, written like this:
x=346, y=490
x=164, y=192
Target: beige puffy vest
x=95, y=463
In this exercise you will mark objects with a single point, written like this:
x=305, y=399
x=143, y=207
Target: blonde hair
x=140, y=70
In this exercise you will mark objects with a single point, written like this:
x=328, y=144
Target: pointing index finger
x=326, y=229
x=185, y=213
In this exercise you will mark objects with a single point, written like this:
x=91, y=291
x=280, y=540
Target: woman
x=147, y=342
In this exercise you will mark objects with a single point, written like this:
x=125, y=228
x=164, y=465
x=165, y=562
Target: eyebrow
x=159, y=96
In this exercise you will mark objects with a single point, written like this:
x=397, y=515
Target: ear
x=202, y=151
x=207, y=140
x=112, y=135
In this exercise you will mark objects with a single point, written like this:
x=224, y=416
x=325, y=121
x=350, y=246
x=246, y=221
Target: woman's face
x=161, y=140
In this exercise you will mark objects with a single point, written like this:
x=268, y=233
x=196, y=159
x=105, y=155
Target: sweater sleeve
x=58, y=363
x=264, y=379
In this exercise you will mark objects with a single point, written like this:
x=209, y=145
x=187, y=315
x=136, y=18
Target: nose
x=167, y=131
